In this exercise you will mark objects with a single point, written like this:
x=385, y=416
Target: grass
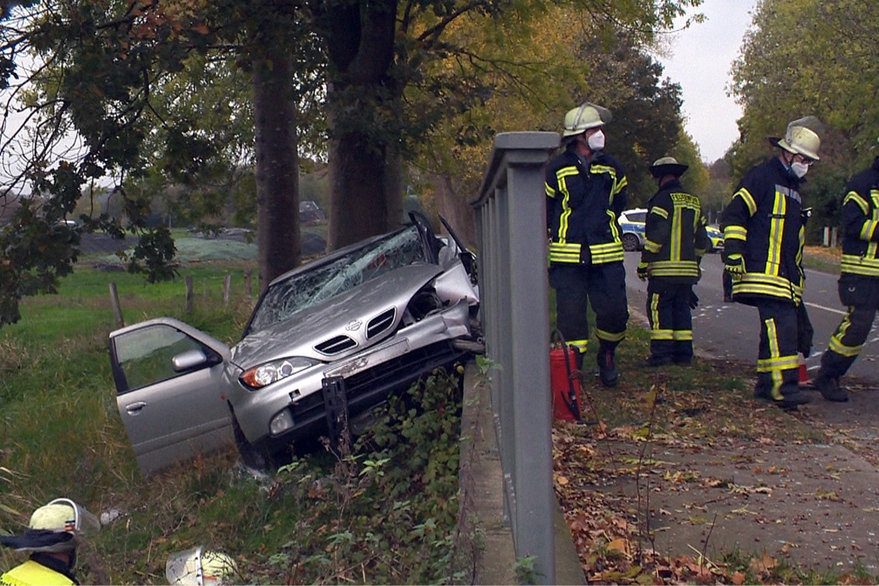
x=327, y=518
x=820, y=258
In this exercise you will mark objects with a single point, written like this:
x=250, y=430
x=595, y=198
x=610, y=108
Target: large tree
x=374, y=63
x=379, y=50
x=816, y=57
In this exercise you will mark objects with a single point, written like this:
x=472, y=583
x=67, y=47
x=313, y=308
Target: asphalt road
x=730, y=330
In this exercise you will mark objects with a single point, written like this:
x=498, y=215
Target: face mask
x=799, y=169
x=596, y=141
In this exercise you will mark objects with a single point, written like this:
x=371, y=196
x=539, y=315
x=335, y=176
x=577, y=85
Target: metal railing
x=514, y=293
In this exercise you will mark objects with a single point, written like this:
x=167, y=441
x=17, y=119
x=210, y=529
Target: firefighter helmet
x=200, y=567
x=54, y=527
x=667, y=166
x=584, y=117
x=802, y=137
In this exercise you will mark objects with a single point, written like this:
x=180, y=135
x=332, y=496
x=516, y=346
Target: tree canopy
x=189, y=93
x=815, y=57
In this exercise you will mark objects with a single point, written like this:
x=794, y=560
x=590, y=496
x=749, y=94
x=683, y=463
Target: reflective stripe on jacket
x=675, y=235
x=583, y=203
x=30, y=573
x=764, y=223
x=860, y=224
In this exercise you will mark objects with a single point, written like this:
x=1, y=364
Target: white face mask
x=596, y=141
x=799, y=169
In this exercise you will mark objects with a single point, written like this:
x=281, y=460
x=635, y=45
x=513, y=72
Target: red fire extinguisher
x=565, y=390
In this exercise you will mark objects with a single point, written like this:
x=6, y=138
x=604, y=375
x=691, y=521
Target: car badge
x=353, y=325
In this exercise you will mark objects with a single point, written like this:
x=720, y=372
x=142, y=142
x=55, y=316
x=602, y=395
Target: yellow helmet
x=200, y=567
x=54, y=527
x=802, y=137
x=584, y=117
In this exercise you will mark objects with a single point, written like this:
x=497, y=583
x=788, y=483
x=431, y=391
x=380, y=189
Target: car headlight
x=271, y=372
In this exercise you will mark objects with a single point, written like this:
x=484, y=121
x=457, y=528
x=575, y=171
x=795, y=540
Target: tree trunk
x=358, y=206
x=363, y=113
x=277, y=168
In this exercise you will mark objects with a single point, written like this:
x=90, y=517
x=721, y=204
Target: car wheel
x=630, y=242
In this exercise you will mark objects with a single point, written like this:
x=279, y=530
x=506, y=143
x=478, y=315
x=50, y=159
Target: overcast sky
x=700, y=60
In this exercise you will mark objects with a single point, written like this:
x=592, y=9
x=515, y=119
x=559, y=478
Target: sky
x=699, y=60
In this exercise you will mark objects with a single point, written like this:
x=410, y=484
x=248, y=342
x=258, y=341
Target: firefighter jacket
x=33, y=573
x=583, y=202
x=675, y=235
x=860, y=224
x=765, y=223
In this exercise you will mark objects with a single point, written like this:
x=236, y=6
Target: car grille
x=335, y=345
x=367, y=388
x=379, y=324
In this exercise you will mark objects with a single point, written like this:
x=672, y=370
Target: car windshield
x=328, y=279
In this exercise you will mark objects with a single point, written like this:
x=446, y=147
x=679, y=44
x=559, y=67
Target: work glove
x=693, y=302
x=735, y=266
x=642, y=270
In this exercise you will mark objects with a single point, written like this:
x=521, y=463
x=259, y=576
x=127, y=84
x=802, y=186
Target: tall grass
x=60, y=429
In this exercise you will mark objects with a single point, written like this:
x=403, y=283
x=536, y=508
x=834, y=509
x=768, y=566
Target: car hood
x=346, y=315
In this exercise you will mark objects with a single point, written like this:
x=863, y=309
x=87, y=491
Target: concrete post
x=515, y=304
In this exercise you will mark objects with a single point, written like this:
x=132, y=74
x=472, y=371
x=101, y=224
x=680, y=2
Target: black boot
x=829, y=387
x=607, y=367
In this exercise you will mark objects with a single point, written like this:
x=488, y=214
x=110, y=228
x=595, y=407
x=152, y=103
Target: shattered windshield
x=329, y=279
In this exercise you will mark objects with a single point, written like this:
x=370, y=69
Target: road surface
x=731, y=330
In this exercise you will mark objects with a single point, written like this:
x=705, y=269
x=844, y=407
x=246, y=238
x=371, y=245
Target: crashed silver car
x=331, y=338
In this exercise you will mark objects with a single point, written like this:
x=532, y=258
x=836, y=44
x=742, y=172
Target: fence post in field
x=248, y=284
x=117, y=310
x=227, y=285
x=188, y=281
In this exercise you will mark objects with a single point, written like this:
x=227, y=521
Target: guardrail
x=514, y=294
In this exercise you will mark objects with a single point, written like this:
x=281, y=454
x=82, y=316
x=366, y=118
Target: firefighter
x=676, y=240
x=585, y=193
x=52, y=536
x=858, y=281
x=764, y=231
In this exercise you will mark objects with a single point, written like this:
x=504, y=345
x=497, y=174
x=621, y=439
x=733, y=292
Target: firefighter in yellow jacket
x=51, y=537
x=585, y=193
x=676, y=240
x=858, y=283
x=764, y=232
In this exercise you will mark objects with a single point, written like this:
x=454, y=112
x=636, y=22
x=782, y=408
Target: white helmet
x=200, y=567
x=802, y=137
x=586, y=116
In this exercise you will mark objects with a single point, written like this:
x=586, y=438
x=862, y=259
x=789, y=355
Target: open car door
x=171, y=391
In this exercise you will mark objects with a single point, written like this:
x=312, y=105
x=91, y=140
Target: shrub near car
x=377, y=315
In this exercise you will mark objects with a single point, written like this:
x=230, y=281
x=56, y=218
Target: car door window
x=145, y=355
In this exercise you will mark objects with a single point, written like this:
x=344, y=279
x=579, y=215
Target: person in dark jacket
x=764, y=231
x=858, y=281
x=676, y=240
x=585, y=193
x=51, y=537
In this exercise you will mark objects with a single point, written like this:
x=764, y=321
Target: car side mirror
x=189, y=360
